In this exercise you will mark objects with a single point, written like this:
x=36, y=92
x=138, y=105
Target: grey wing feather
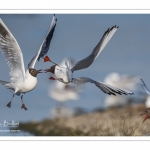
x=86, y=62
x=45, y=44
x=7, y=85
x=145, y=87
x=108, y=89
x=12, y=53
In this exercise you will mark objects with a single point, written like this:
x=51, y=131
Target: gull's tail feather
x=7, y=85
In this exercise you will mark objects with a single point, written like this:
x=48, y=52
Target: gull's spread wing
x=45, y=44
x=108, y=89
x=86, y=62
x=12, y=53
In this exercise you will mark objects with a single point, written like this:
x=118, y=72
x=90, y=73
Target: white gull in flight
x=62, y=92
x=21, y=81
x=64, y=74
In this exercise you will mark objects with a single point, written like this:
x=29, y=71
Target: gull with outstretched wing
x=21, y=81
x=64, y=74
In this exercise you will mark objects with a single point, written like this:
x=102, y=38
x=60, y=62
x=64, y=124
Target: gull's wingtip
x=131, y=93
x=116, y=26
x=143, y=81
x=54, y=17
x=113, y=27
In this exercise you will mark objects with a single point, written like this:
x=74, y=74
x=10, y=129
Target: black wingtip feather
x=113, y=94
x=109, y=29
x=142, y=81
x=116, y=26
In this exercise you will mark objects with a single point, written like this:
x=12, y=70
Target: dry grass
x=113, y=122
x=124, y=126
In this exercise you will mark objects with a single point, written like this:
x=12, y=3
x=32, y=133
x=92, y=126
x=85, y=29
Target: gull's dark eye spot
x=53, y=67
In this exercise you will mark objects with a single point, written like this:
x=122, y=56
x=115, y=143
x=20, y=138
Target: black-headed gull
x=62, y=92
x=64, y=74
x=21, y=81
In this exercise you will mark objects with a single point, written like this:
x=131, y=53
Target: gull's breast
x=28, y=84
x=62, y=74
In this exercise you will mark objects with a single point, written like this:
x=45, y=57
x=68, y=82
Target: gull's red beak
x=146, y=117
x=46, y=58
x=52, y=78
x=40, y=71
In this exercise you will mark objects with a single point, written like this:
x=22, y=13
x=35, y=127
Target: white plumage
x=63, y=92
x=147, y=102
x=21, y=81
x=64, y=74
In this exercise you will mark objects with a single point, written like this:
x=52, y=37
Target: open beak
x=47, y=70
x=40, y=71
x=146, y=117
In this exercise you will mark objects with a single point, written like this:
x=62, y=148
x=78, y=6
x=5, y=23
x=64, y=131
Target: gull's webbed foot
x=9, y=104
x=23, y=106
